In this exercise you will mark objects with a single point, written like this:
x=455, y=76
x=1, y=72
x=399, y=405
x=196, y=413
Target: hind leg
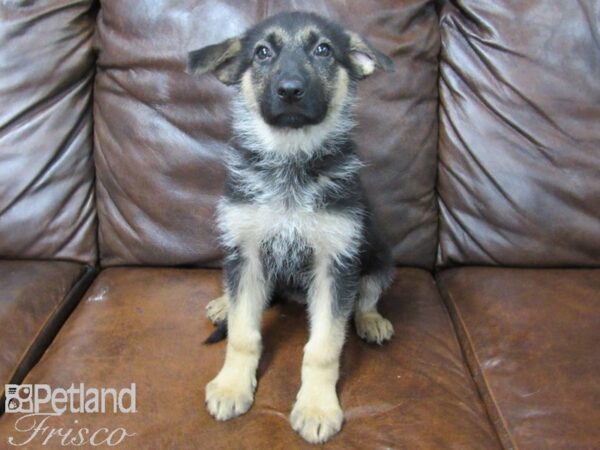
x=370, y=325
x=217, y=309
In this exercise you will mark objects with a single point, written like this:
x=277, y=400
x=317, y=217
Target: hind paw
x=373, y=327
x=217, y=309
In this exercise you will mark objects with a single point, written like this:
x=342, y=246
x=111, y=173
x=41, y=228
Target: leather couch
x=483, y=166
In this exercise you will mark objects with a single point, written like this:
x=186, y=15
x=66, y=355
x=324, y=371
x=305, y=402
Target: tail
x=218, y=335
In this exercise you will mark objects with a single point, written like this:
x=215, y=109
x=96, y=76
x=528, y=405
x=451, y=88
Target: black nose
x=290, y=90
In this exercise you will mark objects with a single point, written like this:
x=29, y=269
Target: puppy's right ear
x=224, y=59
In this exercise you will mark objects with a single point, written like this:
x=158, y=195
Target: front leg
x=317, y=414
x=231, y=392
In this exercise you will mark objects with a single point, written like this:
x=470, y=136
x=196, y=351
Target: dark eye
x=323, y=50
x=263, y=53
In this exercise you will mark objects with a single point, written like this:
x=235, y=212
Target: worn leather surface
x=147, y=326
x=531, y=338
x=519, y=135
x=160, y=134
x=46, y=170
x=31, y=294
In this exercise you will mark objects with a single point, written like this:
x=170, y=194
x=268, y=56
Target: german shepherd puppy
x=293, y=214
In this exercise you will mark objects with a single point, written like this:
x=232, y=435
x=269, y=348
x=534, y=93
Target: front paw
x=316, y=423
x=226, y=399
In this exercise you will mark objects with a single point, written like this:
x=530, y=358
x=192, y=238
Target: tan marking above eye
x=278, y=35
x=305, y=34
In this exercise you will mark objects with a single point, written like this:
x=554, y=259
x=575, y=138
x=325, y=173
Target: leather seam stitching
x=459, y=323
x=85, y=275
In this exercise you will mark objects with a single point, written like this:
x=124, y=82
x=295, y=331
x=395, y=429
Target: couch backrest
x=519, y=150
x=46, y=171
x=160, y=135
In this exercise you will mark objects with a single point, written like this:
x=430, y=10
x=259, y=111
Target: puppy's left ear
x=224, y=59
x=364, y=58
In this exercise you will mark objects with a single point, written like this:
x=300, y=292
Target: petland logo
x=40, y=403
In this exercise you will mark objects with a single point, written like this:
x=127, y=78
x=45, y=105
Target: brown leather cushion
x=147, y=326
x=519, y=133
x=35, y=297
x=532, y=339
x=160, y=134
x=47, y=203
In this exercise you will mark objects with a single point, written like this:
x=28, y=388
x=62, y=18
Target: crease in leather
x=133, y=96
x=475, y=369
x=77, y=131
x=483, y=76
x=46, y=104
x=49, y=72
x=131, y=230
x=89, y=214
x=64, y=145
x=503, y=118
x=42, y=14
x=477, y=162
x=466, y=367
x=458, y=8
x=466, y=231
x=70, y=300
x=474, y=91
x=501, y=232
x=470, y=38
x=107, y=252
x=445, y=262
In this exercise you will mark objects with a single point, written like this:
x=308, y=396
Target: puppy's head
x=292, y=68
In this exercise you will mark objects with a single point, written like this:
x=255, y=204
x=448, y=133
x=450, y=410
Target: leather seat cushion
x=531, y=338
x=147, y=326
x=35, y=297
